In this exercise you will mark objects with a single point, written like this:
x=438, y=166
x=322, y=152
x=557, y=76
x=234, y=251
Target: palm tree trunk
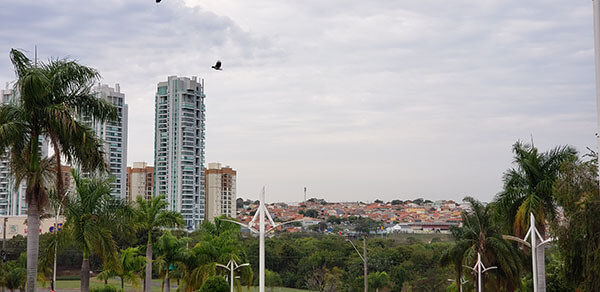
x=33, y=240
x=122, y=284
x=148, y=280
x=167, y=283
x=59, y=176
x=85, y=275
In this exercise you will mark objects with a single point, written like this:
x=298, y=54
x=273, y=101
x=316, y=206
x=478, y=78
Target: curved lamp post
x=479, y=268
x=537, y=241
x=261, y=212
x=232, y=266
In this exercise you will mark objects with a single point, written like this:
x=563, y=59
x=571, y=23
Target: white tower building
x=114, y=135
x=179, y=147
x=12, y=201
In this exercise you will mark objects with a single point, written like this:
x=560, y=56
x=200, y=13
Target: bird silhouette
x=217, y=66
x=158, y=1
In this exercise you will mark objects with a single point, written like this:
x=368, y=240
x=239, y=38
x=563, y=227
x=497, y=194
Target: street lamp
x=538, y=269
x=364, y=260
x=479, y=268
x=260, y=214
x=232, y=266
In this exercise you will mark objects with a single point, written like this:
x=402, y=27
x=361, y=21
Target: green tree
x=128, y=268
x=169, y=250
x=528, y=189
x=398, y=275
x=272, y=279
x=219, y=243
x=92, y=217
x=378, y=280
x=151, y=215
x=50, y=97
x=14, y=274
x=480, y=235
x=312, y=213
x=576, y=191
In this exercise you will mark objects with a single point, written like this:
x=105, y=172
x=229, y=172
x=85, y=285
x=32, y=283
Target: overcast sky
x=356, y=100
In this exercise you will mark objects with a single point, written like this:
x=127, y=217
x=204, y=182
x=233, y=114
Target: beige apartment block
x=140, y=181
x=220, y=191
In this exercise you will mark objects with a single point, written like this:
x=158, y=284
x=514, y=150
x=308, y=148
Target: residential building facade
x=12, y=200
x=220, y=191
x=140, y=181
x=179, y=147
x=114, y=136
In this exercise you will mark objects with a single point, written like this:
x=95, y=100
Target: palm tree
x=528, y=186
x=91, y=218
x=151, y=215
x=128, y=268
x=170, y=250
x=219, y=243
x=14, y=274
x=528, y=189
x=480, y=235
x=455, y=254
x=51, y=96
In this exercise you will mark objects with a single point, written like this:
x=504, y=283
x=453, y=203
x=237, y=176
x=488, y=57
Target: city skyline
x=356, y=101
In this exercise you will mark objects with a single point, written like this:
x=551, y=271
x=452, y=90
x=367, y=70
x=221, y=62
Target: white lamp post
x=538, y=270
x=260, y=214
x=232, y=266
x=480, y=269
x=537, y=241
x=596, y=8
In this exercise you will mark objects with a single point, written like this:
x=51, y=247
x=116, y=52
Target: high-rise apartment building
x=140, y=181
x=12, y=200
x=220, y=191
x=179, y=147
x=114, y=135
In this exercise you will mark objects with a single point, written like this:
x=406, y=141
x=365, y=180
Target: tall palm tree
x=480, y=235
x=528, y=189
x=528, y=186
x=151, y=215
x=170, y=250
x=92, y=215
x=51, y=97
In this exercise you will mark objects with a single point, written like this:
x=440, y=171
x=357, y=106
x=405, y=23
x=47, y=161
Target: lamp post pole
x=56, y=240
x=479, y=268
x=363, y=257
x=596, y=8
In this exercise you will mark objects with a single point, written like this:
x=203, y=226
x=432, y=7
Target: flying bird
x=217, y=66
x=158, y=1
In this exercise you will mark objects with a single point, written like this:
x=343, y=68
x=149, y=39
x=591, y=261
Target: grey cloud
x=353, y=99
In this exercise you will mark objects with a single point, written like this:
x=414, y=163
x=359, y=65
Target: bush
x=106, y=288
x=215, y=284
